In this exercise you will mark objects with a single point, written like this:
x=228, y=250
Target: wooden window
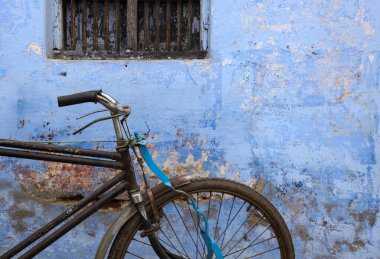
x=117, y=29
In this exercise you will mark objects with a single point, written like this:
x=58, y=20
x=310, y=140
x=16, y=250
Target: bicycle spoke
x=256, y=224
x=172, y=245
x=217, y=220
x=228, y=254
x=253, y=242
x=237, y=230
x=135, y=255
x=208, y=212
x=179, y=214
x=263, y=252
x=195, y=226
x=228, y=220
x=232, y=219
x=175, y=233
x=139, y=241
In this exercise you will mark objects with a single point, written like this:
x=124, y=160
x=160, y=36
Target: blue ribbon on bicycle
x=212, y=246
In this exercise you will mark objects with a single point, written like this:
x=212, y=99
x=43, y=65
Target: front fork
x=149, y=229
x=138, y=201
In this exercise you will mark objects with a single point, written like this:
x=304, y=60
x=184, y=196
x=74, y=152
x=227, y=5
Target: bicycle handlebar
x=84, y=97
x=117, y=109
x=94, y=96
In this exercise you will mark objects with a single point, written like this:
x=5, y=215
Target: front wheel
x=242, y=222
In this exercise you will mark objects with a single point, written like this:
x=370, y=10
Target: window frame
x=54, y=39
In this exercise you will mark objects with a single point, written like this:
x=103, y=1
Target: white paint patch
x=259, y=45
x=226, y=62
x=371, y=58
x=271, y=41
x=35, y=47
x=277, y=27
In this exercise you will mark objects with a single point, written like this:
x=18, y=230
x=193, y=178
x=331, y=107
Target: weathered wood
x=146, y=24
x=64, y=25
x=99, y=55
x=84, y=25
x=95, y=25
x=117, y=25
x=132, y=24
x=106, y=24
x=190, y=25
x=73, y=30
x=168, y=21
x=157, y=25
x=179, y=24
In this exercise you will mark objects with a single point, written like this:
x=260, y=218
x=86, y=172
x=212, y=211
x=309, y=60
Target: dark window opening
x=107, y=29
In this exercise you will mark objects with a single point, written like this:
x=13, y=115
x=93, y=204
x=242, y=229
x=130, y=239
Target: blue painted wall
x=289, y=92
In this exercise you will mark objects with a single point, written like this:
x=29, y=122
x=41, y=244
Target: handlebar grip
x=84, y=97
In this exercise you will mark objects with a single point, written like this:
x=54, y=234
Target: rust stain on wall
x=61, y=180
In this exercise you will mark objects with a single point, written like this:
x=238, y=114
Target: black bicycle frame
x=122, y=182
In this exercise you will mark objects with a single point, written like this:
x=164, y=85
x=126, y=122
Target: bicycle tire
x=229, y=191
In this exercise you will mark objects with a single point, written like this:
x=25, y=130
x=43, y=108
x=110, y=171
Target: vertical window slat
x=179, y=24
x=73, y=30
x=106, y=24
x=146, y=24
x=64, y=24
x=190, y=25
x=157, y=25
x=95, y=25
x=84, y=25
x=132, y=24
x=168, y=21
x=117, y=25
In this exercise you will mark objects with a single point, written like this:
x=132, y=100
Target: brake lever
x=90, y=113
x=95, y=121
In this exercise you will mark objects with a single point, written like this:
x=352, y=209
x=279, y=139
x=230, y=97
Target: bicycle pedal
x=148, y=232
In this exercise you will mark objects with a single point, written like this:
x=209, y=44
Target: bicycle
x=169, y=220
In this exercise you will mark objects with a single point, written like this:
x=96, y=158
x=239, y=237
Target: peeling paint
x=35, y=47
x=287, y=101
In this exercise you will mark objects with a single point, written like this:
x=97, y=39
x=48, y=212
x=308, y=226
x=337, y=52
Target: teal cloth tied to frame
x=212, y=246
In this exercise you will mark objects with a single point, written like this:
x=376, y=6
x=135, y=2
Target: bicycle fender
x=128, y=212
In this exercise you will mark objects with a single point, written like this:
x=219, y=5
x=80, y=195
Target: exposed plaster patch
x=344, y=97
x=226, y=62
x=59, y=180
x=271, y=41
x=35, y=47
x=371, y=58
x=276, y=27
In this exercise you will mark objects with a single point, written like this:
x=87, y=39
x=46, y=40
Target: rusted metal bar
x=157, y=25
x=60, y=158
x=73, y=30
x=179, y=24
x=59, y=149
x=106, y=24
x=190, y=25
x=132, y=21
x=117, y=25
x=84, y=25
x=168, y=21
x=65, y=215
x=82, y=215
x=64, y=25
x=146, y=24
x=95, y=25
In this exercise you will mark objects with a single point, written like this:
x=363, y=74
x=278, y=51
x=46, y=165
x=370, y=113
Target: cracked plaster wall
x=289, y=92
